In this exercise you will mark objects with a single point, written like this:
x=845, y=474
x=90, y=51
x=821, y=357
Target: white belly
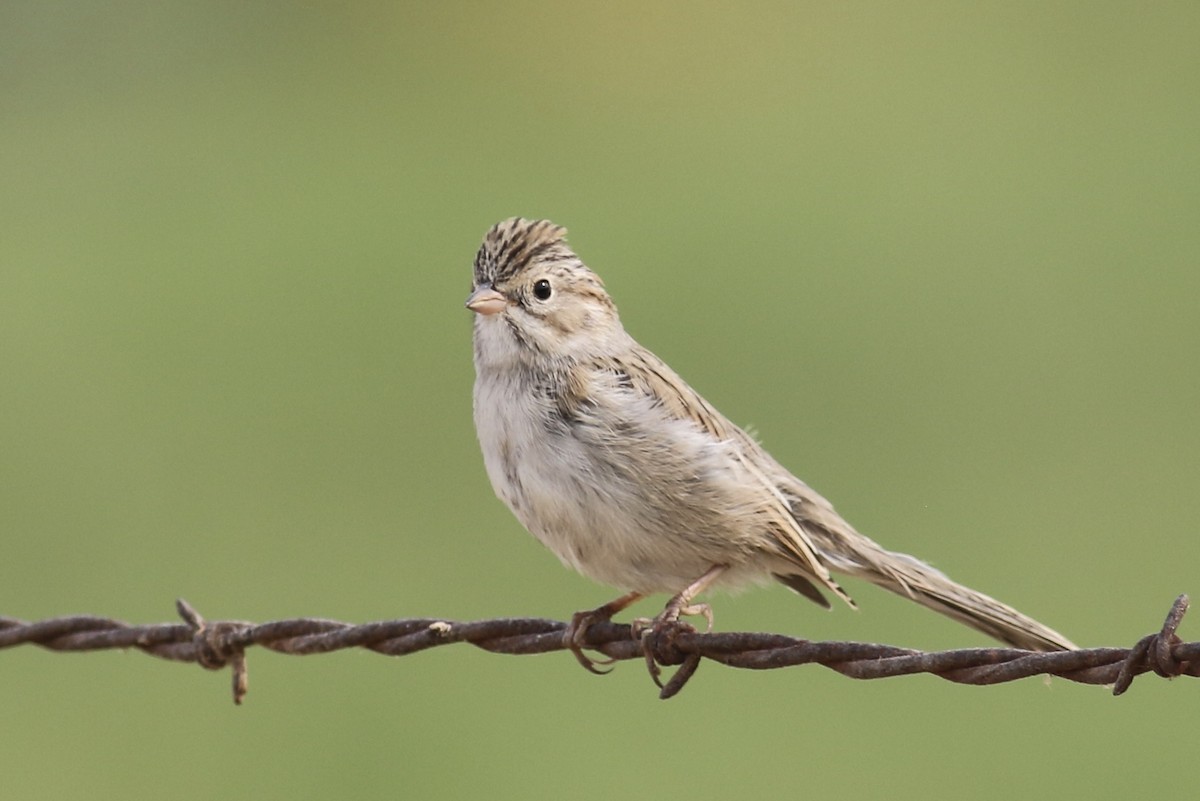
x=649, y=513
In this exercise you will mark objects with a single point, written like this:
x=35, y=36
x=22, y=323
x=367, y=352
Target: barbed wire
x=217, y=644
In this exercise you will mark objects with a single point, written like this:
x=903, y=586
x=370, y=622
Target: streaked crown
x=513, y=244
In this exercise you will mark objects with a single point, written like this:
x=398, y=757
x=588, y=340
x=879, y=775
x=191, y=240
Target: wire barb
x=1156, y=651
x=217, y=646
x=214, y=645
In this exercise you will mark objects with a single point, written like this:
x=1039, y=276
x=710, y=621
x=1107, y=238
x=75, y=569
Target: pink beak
x=486, y=301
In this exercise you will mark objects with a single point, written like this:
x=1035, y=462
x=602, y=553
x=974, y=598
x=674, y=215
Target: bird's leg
x=576, y=633
x=680, y=604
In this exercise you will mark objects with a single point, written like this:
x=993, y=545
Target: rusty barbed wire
x=215, y=645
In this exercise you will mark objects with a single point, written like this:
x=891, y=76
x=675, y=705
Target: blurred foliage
x=942, y=256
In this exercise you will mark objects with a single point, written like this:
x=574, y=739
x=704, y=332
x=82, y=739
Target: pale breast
x=616, y=489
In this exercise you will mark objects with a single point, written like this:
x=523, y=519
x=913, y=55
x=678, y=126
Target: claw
x=646, y=630
x=700, y=610
x=575, y=636
x=651, y=663
x=665, y=625
x=667, y=622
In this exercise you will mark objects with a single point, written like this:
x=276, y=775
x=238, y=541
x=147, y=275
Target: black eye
x=541, y=289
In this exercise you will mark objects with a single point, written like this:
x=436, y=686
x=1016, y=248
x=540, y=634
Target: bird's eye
x=541, y=289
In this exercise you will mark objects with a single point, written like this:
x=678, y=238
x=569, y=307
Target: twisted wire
x=217, y=644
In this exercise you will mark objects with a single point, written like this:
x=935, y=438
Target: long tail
x=912, y=578
x=843, y=550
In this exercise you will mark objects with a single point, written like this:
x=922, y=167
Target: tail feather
x=908, y=576
x=844, y=550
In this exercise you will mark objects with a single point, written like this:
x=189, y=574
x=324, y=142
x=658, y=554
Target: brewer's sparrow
x=630, y=477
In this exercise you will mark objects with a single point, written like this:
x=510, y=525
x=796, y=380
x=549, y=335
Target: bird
x=630, y=477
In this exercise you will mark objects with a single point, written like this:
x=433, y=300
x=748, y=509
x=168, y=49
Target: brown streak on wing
x=653, y=377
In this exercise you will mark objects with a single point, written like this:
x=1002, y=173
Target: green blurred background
x=942, y=256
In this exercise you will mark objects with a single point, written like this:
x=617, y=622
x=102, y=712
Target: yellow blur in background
x=940, y=256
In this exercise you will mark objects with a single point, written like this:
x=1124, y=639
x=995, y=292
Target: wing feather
x=651, y=376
